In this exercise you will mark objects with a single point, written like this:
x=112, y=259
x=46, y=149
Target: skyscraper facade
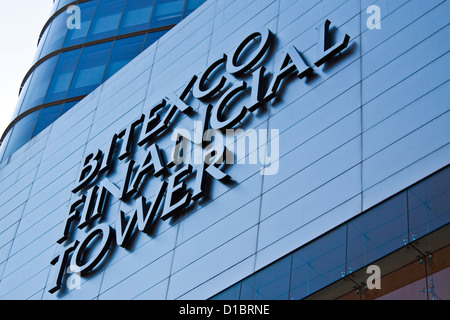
x=82, y=45
x=259, y=149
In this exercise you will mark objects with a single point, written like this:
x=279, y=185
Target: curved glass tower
x=82, y=45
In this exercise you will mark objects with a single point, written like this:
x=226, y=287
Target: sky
x=21, y=22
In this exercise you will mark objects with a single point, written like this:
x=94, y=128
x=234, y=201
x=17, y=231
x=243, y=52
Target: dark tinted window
x=106, y=20
x=167, y=12
x=271, y=283
x=429, y=204
x=377, y=233
x=22, y=133
x=78, y=36
x=63, y=75
x=46, y=117
x=123, y=51
x=39, y=84
x=318, y=264
x=56, y=36
x=136, y=16
x=90, y=70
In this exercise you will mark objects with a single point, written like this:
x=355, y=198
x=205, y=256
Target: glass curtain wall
x=414, y=223
x=71, y=61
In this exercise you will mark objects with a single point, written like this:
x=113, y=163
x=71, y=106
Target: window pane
x=137, y=16
x=192, y=5
x=56, y=35
x=68, y=105
x=21, y=133
x=167, y=12
x=22, y=95
x=106, y=19
x=429, y=204
x=62, y=3
x=271, y=283
x=152, y=37
x=63, y=75
x=232, y=293
x=39, y=84
x=46, y=118
x=4, y=144
x=318, y=264
x=378, y=232
x=77, y=36
x=37, y=55
x=124, y=51
x=90, y=69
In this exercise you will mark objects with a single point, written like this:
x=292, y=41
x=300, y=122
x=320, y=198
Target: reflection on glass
x=106, y=20
x=271, y=283
x=63, y=75
x=429, y=204
x=39, y=84
x=56, y=35
x=41, y=44
x=68, y=105
x=124, y=51
x=191, y=5
x=21, y=134
x=232, y=293
x=318, y=264
x=4, y=144
x=167, y=12
x=377, y=233
x=152, y=37
x=78, y=36
x=136, y=16
x=90, y=70
x=46, y=117
x=62, y=3
x=22, y=94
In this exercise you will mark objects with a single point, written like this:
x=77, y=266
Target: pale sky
x=21, y=22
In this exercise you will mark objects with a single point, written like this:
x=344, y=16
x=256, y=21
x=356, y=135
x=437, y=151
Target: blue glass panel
x=271, y=283
x=106, y=20
x=46, y=118
x=62, y=3
x=23, y=93
x=378, y=232
x=4, y=144
x=429, y=204
x=68, y=105
x=191, y=5
x=41, y=43
x=123, y=51
x=77, y=36
x=318, y=264
x=21, y=134
x=56, y=35
x=232, y=293
x=90, y=69
x=152, y=37
x=137, y=16
x=63, y=75
x=167, y=12
x=39, y=84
